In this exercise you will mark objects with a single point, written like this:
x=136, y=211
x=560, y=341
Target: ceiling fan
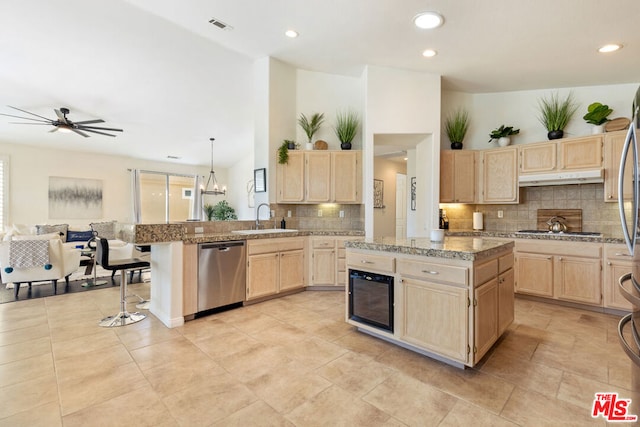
x=62, y=123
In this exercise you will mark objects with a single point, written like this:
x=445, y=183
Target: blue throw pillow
x=79, y=236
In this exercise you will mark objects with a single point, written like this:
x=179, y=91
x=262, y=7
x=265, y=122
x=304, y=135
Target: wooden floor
x=292, y=362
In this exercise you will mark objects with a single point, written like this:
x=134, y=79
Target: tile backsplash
x=597, y=216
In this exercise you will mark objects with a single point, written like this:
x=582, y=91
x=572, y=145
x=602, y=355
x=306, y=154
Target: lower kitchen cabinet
x=486, y=318
x=506, y=297
x=617, y=263
x=274, y=266
x=323, y=261
x=568, y=271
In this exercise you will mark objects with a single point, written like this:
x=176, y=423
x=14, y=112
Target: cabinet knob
x=610, y=196
x=608, y=262
x=560, y=258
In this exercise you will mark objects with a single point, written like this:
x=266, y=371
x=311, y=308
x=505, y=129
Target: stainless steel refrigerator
x=629, y=284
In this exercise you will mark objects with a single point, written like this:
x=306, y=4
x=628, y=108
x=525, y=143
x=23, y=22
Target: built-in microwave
x=371, y=299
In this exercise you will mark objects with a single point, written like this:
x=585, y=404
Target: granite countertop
x=541, y=236
x=228, y=236
x=453, y=247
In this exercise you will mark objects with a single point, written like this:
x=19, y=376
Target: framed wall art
x=75, y=198
x=378, y=193
x=413, y=193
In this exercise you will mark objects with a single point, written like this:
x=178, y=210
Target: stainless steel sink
x=266, y=231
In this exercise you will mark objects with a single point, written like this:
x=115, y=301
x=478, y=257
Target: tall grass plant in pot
x=555, y=114
x=346, y=128
x=456, y=126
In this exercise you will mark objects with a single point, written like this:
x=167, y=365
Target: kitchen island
x=450, y=300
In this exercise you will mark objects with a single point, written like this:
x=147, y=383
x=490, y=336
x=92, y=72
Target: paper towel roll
x=477, y=221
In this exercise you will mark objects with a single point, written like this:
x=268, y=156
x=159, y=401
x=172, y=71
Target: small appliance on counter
x=444, y=221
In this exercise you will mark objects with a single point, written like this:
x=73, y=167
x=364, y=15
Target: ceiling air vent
x=220, y=24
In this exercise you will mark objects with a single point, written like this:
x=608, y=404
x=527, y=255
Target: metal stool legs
x=123, y=318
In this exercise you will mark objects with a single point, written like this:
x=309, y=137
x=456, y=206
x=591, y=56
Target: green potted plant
x=456, y=126
x=502, y=134
x=283, y=151
x=310, y=126
x=208, y=211
x=346, y=128
x=597, y=115
x=556, y=113
x=223, y=212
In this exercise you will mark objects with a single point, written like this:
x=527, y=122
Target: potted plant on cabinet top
x=346, y=128
x=310, y=126
x=502, y=134
x=283, y=151
x=597, y=115
x=555, y=114
x=456, y=126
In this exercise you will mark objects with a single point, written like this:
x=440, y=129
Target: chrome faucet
x=258, y=214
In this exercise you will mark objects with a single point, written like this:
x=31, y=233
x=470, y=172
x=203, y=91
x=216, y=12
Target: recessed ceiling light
x=429, y=53
x=609, y=48
x=291, y=33
x=428, y=20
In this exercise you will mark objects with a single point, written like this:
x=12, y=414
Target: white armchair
x=63, y=262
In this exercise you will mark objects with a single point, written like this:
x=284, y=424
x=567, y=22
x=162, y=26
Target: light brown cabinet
x=189, y=279
x=617, y=263
x=320, y=177
x=568, y=271
x=499, y=176
x=457, y=176
x=323, y=262
x=274, y=266
x=613, y=144
x=506, y=293
x=486, y=318
x=562, y=155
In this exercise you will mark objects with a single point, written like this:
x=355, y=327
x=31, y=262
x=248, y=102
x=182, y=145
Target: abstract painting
x=75, y=198
x=378, y=193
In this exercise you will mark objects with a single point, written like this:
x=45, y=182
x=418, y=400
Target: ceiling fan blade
x=26, y=118
x=61, y=116
x=86, y=122
x=95, y=131
x=29, y=112
x=55, y=129
x=22, y=123
x=96, y=127
x=79, y=132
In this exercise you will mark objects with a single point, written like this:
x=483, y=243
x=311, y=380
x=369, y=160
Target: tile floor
x=292, y=362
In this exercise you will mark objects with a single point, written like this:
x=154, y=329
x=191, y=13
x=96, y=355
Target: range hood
x=562, y=178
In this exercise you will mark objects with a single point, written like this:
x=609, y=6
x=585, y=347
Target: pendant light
x=214, y=191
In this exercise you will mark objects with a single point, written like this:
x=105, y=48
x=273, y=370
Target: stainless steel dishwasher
x=221, y=274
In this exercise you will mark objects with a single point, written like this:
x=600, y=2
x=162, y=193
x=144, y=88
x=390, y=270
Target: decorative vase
x=504, y=141
x=597, y=129
x=456, y=145
x=309, y=145
x=291, y=145
x=345, y=145
x=555, y=134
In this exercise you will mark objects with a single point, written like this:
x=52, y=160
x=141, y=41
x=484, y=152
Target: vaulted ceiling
x=159, y=69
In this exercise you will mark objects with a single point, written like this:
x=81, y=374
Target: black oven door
x=371, y=299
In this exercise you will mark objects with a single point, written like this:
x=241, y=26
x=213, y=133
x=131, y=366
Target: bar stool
x=123, y=318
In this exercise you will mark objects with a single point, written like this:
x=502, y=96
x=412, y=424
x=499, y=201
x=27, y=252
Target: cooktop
x=563, y=233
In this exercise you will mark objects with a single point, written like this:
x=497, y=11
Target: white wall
x=401, y=102
x=31, y=167
x=328, y=94
x=385, y=218
x=520, y=109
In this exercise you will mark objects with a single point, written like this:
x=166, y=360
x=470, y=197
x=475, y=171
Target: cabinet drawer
x=290, y=244
x=434, y=272
x=323, y=243
x=255, y=247
x=617, y=252
x=365, y=262
x=482, y=273
x=554, y=247
x=342, y=265
x=505, y=262
x=342, y=253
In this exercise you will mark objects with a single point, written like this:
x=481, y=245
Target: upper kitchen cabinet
x=613, y=143
x=565, y=155
x=457, y=176
x=499, y=176
x=320, y=177
x=538, y=158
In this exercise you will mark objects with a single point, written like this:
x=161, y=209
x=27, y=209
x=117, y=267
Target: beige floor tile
x=362, y=343
x=21, y=310
x=204, y=328
x=209, y=401
x=28, y=395
x=518, y=343
x=465, y=414
x=571, y=360
x=137, y=338
x=333, y=330
x=255, y=361
x=101, y=338
x=46, y=415
x=355, y=373
x=163, y=352
x=258, y=414
x=226, y=344
x=313, y=352
x=181, y=373
x=88, y=364
x=581, y=391
x=26, y=369
x=621, y=373
x=66, y=332
x=24, y=321
x=287, y=387
x=531, y=409
x=24, y=350
x=410, y=363
x=279, y=334
x=544, y=336
x=335, y=406
x=16, y=336
x=476, y=387
x=526, y=374
x=140, y=407
x=411, y=401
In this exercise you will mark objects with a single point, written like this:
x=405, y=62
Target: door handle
x=625, y=345
x=630, y=142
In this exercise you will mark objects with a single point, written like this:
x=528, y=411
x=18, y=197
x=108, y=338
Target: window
x=4, y=190
x=165, y=197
